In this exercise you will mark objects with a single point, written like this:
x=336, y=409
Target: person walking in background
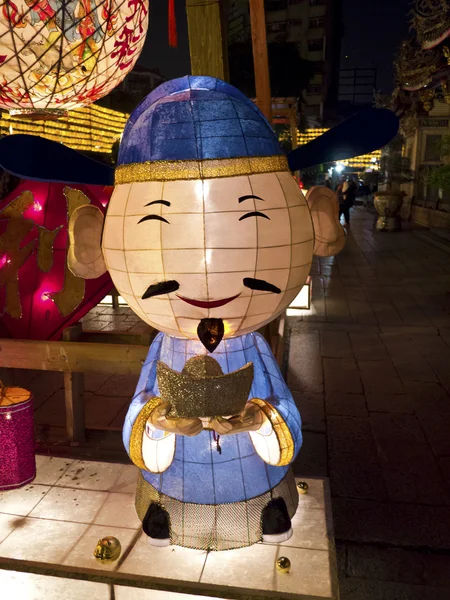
x=344, y=206
x=365, y=194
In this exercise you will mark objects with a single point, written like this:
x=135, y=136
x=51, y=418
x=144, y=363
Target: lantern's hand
x=250, y=419
x=182, y=426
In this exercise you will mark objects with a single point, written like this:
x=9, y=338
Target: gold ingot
x=108, y=549
x=203, y=390
x=302, y=487
x=283, y=564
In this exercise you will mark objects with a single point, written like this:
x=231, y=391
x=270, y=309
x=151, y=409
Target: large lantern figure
x=208, y=237
x=57, y=55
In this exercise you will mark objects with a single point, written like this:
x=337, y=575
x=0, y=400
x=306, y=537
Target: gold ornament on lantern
x=108, y=549
x=283, y=564
x=302, y=487
x=202, y=389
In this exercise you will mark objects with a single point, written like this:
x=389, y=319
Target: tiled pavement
x=369, y=366
x=52, y=527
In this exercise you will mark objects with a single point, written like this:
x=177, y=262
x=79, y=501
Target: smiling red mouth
x=211, y=304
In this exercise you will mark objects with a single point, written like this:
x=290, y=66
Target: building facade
x=314, y=26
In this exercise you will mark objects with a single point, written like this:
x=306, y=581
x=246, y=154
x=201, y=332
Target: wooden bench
x=97, y=352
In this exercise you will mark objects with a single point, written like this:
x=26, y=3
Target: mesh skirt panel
x=216, y=526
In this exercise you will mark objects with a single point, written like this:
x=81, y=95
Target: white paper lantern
x=201, y=236
x=57, y=55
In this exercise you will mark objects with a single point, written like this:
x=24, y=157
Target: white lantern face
x=63, y=54
x=209, y=236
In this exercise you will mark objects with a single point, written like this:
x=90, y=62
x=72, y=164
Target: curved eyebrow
x=255, y=213
x=153, y=217
x=242, y=198
x=165, y=202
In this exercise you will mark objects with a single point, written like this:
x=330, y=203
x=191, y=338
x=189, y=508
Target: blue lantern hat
x=197, y=127
x=192, y=128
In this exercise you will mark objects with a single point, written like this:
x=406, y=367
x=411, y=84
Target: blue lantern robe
x=199, y=473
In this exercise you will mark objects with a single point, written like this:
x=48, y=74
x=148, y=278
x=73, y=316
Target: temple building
x=422, y=101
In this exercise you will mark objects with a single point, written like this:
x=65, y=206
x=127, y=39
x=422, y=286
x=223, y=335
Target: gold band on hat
x=171, y=170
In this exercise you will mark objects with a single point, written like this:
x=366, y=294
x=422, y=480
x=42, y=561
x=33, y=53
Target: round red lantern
x=17, y=458
x=57, y=55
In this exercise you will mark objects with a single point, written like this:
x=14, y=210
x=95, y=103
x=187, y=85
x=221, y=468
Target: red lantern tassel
x=173, y=40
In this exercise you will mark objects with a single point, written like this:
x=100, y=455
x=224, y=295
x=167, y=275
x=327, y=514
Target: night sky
x=373, y=29
x=373, y=32
x=172, y=62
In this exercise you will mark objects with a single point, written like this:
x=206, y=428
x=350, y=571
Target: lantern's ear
x=365, y=132
x=328, y=232
x=85, y=258
x=33, y=157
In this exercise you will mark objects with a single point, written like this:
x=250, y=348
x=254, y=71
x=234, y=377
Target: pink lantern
x=17, y=458
x=57, y=55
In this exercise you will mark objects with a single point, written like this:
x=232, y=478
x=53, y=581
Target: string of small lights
x=92, y=128
x=366, y=161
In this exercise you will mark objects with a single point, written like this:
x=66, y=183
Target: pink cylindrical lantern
x=17, y=458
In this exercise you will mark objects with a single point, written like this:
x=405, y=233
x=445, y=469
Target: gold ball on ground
x=108, y=549
x=283, y=564
x=302, y=487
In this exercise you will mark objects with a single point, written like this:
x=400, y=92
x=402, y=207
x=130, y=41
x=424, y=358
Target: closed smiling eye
x=153, y=217
x=254, y=213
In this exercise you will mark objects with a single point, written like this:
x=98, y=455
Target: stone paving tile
x=428, y=398
x=312, y=459
x=440, y=365
x=437, y=430
x=397, y=564
x=23, y=377
x=140, y=328
x=352, y=459
x=407, y=358
x=45, y=385
x=119, y=419
x=368, y=346
x=305, y=367
x=417, y=369
x=386, y=314
x=335, y=344
x=337, y=309
x=398, y=524
x=101, y=411
x=409, y=469
x=445, y=333
x=344, y=404
x=362, y=589
x=94, y=325
x=389, y=403
x=431, y=345
x=52, y=411
x=379, y=376
x=119, y=385
x=444, y=465
x=341, y=559
x=341, y=375
x=312, y=410
x=362, y=312
x=94, y=381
